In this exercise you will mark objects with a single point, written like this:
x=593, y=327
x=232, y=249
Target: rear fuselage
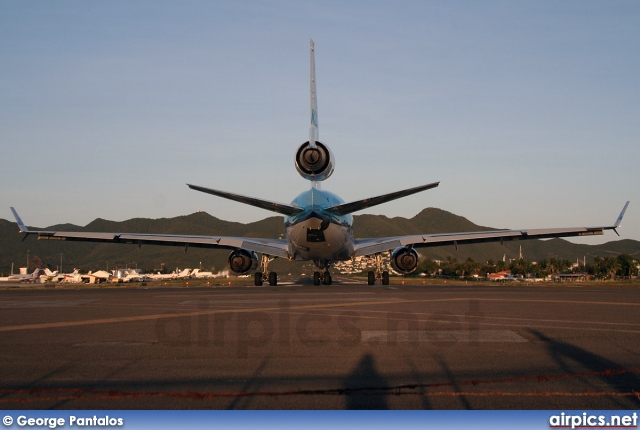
x=315, y=234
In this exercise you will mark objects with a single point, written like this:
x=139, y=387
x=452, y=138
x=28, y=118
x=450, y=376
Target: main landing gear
x=264, y=275
x=379, y=274
x=323, y=276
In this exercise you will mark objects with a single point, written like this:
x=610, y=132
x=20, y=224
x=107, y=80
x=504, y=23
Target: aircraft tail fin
x=313, y=125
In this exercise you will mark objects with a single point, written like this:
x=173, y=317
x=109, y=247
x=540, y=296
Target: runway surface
x=454, y=346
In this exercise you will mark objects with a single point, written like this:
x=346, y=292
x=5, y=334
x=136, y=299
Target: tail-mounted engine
x=404, y=260
x=243, y=262
x=314, y=164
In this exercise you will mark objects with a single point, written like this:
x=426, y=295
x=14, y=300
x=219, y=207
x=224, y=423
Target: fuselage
x=315, y=234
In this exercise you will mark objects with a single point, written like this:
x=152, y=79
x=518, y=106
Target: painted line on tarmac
x=139, y=318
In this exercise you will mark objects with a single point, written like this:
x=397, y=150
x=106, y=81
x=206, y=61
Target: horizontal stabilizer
x=347, y=208
x=252, y=201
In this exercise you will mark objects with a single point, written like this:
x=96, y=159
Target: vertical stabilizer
x=313, y=126
x=314, y=160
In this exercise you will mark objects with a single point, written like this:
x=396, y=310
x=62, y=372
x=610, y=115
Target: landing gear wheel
x=273, y=279
x=258, y=279
x=371, y=278
x=385, y=278
x=316, y=278
x=326, y=279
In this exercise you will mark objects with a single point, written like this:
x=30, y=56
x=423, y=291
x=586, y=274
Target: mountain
x=93, y=256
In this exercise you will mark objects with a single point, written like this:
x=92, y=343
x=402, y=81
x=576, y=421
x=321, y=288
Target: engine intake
x=314, y=164
x=404, y=260
x=242, y=262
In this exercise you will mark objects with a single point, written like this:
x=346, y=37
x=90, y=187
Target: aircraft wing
x=383, y=244
x=273, y=247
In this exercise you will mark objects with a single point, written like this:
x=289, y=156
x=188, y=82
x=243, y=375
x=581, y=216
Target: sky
x=528, y=112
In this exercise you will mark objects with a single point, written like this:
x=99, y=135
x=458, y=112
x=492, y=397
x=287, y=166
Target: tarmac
x=299, y=346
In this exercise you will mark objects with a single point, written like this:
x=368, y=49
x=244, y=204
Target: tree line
x=602, y=268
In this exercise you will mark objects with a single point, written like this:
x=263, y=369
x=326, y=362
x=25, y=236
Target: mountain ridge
x=93, y=256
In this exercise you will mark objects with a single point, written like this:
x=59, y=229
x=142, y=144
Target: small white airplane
x=49, y=273
x=318, y=225
x=29, y=277
x=73, y=277
x=176, y=274
x=199, y=274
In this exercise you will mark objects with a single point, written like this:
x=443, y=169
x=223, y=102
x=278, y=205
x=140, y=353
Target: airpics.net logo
x=585, y=420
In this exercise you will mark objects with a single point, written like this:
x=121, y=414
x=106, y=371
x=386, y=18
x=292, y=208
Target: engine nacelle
x=243, y=262
x=404, y=260
x=314, y=164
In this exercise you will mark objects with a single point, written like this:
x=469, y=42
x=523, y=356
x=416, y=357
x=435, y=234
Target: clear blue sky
x=528, y=111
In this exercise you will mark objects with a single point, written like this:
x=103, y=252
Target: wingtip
x=618, y=222
x=23, y=228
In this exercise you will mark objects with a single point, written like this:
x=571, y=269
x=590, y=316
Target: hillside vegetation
x=94, y=256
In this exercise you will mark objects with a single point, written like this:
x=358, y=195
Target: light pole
x=27, y=261
x=61, y=262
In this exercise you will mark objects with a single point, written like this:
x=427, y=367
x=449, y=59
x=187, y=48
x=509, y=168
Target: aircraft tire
x=316, y=278
x=326, y=279
x=273, y=279
x=371, y=278
x=258, y=279
x=385, y=278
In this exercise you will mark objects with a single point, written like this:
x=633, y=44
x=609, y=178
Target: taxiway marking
x=139, y=318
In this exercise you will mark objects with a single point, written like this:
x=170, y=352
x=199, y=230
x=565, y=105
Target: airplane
x=29, y=277
x=318, y=224
x=48, y=273
x=73, y=277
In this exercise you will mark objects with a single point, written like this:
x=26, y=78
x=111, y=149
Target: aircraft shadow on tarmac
x=365, y=387
x=573, y=359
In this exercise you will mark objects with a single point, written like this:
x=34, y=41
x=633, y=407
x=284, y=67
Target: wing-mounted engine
x=243, y=262
x=314, y=163
x=404, y=260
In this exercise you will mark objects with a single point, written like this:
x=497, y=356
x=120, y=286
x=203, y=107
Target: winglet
x=23, y=228
x=618, y=222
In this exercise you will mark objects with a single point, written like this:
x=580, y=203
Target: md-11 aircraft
x=318, y=225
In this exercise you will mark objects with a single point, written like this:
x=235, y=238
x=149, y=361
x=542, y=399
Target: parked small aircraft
x=28, y=277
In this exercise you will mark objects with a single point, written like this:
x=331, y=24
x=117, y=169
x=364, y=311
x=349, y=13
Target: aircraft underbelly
x=310, y=240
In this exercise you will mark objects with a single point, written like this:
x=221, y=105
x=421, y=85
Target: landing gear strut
x=264, y=275
x=379, y=274
x=323, y=277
